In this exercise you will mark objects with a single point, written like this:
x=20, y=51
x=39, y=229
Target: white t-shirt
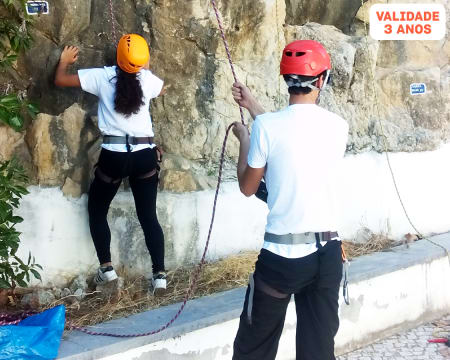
x=301, y=148
x=102, y=83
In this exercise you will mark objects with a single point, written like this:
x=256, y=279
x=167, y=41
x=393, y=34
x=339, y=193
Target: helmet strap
x=293, y=81
x=325, y=82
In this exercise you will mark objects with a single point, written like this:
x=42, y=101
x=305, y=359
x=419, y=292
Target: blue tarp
x=37, y=337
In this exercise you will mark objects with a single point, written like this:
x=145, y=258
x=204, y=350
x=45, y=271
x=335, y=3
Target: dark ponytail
x=129, y=95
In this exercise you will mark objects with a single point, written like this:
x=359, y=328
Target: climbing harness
x=302, y=238
x=254, y=282
x=127, y=140
x=251, y=295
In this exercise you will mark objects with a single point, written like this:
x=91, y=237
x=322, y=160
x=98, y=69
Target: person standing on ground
x=124, y=93
x=297, y=150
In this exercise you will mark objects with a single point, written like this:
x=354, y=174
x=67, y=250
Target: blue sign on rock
x=417, y=88
x=37, y=7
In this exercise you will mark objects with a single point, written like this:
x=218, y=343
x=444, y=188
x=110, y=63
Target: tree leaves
x=12, y=188
x=4, y=284
x=36, y=274
x=13, y=109
x=14, y=38
x=32, y=109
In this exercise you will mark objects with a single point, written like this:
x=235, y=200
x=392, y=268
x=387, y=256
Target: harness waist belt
x=128, y=140
x=303, y=238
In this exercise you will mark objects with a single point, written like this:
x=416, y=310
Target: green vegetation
x=14, y=39
x=13, y=271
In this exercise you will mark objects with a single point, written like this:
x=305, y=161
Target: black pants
x=314, y=280
x=117, y=165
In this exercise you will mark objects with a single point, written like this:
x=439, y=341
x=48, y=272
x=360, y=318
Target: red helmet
x=304, y=57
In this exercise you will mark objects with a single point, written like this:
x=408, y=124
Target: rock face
x=339, y=13
x=67, y=19
x=9, y=140
x=370, y=83
x=58, y=146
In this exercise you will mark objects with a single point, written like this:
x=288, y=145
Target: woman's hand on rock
x=69, y=55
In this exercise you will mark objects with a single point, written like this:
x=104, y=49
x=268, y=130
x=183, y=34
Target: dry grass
x=133, y=296
x=376, y=242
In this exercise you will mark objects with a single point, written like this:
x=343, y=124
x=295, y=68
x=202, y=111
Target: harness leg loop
x=105, y=178
x=260, y=285
x=147, y=175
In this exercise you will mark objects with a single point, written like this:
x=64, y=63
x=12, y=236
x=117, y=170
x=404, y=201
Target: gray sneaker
x=158, y=284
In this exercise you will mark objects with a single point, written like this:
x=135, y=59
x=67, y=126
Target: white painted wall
x=213, y=342
x=369, y=199
x=56, y=228
x=56, y=231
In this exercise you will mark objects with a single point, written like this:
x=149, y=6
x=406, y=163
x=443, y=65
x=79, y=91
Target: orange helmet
x=132, y=53
x=304, y=57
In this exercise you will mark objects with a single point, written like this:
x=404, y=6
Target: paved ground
x=410, y=345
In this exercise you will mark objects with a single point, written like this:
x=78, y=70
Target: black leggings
x=112, y=167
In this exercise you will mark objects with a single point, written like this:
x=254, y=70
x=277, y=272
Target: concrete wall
x=369, y=199
x=394, y=301
x=56, y=228
x=389, y=291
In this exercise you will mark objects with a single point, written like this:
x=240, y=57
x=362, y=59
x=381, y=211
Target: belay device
x=262, y=193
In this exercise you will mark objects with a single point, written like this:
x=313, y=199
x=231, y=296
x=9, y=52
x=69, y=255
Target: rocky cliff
x=370, y=81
